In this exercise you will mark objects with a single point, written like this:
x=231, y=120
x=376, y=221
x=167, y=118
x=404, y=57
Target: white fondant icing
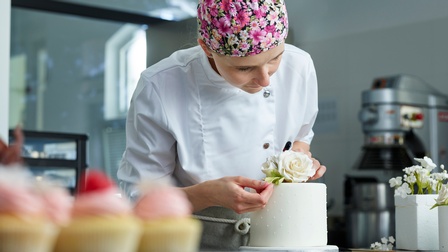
x=295, y=216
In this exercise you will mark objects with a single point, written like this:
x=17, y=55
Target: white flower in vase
x=396, y=182
x=419, y=179
x=442, y=199
x=403, y=190
x=416, y=225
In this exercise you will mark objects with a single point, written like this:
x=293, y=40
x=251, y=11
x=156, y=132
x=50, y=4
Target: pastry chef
x=207, y=117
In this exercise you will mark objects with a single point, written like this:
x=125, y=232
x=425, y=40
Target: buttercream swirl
x=101, y=202
x=58, y=204
x=162, y=201
x=16, y=192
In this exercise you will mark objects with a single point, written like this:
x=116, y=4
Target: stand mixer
x=402, y=118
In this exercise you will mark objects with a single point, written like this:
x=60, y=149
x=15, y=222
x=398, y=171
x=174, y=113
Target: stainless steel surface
x=370, y=212
x=370, y=226
x=372, y=196
x=398, y=106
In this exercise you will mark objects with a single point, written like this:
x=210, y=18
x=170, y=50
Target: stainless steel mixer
x=402, y=118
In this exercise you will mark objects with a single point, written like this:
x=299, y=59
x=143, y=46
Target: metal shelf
x=39, y=158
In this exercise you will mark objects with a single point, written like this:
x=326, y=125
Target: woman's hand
x=13, y=153
x=229, y=192
x=320, y=169
x=305, y=148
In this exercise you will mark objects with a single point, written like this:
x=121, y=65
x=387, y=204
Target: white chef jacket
x=187, y=123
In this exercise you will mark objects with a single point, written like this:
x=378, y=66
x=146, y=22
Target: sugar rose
x=295, y=166
x=288, y=166
x=270, y=167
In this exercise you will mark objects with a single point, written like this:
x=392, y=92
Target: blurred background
x=73, y=65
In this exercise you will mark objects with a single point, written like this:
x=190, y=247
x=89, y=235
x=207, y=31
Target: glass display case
x=60, y=157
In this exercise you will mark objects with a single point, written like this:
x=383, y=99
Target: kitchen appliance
x=402, y=118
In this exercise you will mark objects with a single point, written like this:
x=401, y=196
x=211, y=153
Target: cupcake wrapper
x=18, y=234
x=99, y=235
x=171, y=235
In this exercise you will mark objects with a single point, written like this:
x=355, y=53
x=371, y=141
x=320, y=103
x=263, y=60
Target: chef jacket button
x=266, y=93
x=266, y=145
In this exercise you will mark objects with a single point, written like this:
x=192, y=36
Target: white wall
x=5, y=14
x=323, y=19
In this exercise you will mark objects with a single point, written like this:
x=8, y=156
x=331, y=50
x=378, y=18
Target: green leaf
x=275, y=180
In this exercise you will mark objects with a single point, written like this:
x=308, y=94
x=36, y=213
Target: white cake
x=295, y=216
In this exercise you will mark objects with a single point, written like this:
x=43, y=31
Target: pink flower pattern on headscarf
x=242, y=28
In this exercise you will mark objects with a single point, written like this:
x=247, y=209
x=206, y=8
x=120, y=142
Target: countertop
x=328, y=248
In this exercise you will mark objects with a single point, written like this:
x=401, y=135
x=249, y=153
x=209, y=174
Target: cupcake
x=24, y=221
x=167, y=223
x=101, y=221
x=57, y=202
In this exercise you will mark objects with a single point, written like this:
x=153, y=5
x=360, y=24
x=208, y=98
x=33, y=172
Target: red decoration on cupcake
x=95, y=180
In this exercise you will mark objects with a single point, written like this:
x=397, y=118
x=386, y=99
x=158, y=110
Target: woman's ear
x=205, y=48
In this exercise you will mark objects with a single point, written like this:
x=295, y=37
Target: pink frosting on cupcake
x=103, y=202
x=58, y=204
x=99, y=196
x=162, y=201
x=22, y=195
x=16, y=193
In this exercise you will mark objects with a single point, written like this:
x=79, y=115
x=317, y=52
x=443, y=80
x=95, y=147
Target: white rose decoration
x=288, y=166
x=270, y=166
x=295, y=166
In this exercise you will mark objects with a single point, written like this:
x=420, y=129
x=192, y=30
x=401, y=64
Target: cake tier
x=295, y=216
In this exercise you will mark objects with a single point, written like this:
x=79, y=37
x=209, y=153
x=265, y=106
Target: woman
x=208, y=117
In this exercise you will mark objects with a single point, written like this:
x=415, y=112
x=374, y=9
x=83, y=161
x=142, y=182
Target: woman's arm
x=301, y=147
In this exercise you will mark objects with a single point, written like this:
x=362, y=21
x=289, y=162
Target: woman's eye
x=276, y=58
x=244, y=69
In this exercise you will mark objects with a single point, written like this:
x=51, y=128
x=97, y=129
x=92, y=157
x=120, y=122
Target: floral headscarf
x=242, y=27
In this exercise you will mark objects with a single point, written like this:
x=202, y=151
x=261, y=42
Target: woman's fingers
x=257, y=185
x=235, y=196
x=319, y=172
x=260, y=199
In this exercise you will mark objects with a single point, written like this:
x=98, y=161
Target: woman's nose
x=262, y=78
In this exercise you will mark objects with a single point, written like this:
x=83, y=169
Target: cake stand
x=328, y=248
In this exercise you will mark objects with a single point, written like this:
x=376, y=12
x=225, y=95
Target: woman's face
x=251, y=73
